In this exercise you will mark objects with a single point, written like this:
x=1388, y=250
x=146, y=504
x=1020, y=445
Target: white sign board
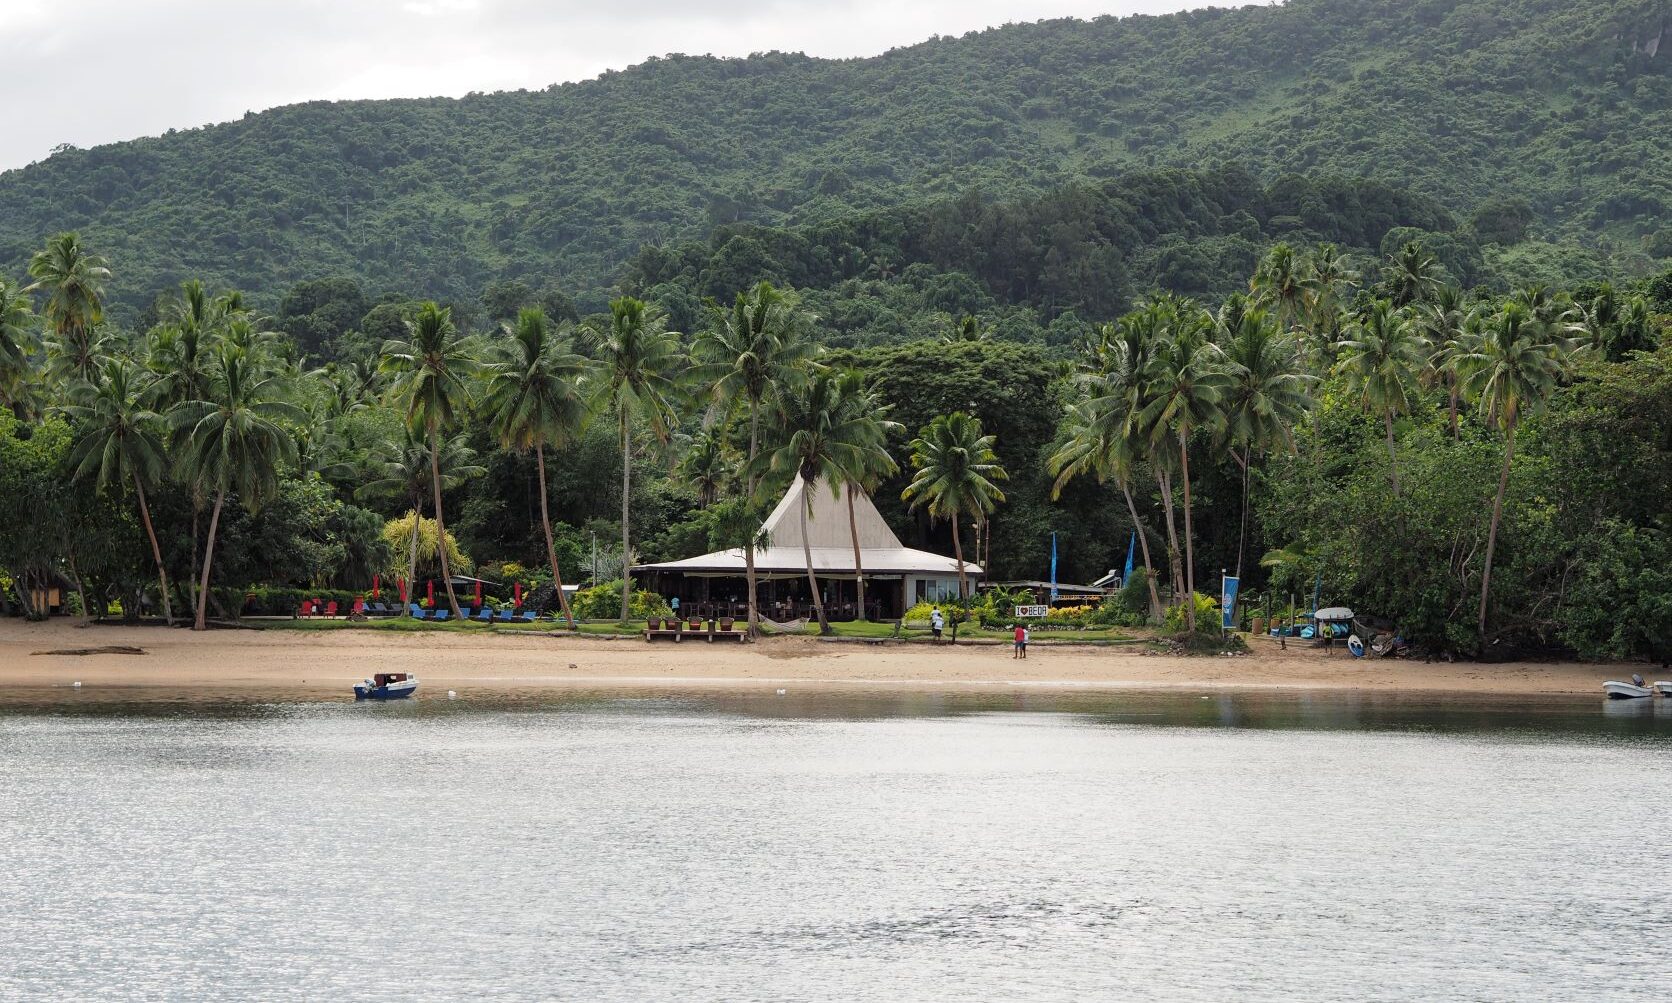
x=1034, y=612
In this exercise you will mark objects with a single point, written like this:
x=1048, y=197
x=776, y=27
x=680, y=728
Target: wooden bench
x=662, y=628
x=725, y=629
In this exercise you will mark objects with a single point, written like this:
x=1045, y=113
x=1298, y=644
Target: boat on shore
x=1634, y=690
x=386, y=686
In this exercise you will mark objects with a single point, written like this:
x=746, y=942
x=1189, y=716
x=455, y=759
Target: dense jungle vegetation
x=1550, y=117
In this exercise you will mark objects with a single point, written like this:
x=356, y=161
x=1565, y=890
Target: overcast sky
x=96, y=71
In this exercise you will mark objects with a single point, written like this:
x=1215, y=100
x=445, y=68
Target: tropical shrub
x=1207, y=616
x=603, y=602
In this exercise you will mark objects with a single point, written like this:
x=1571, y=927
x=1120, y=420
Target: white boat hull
x=1626, y=691
x=1665, y=688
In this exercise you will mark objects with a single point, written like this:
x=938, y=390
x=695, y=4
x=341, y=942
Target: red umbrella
x=402, y=582
x=429, y=590
x=516, y=593
x=377, y=585
x=478, y=591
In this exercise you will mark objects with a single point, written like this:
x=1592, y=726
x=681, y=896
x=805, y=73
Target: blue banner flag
x=1131, y=547
x=1228, y=600
x=1053, y=567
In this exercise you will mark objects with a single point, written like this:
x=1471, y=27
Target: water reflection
x=1315, y=710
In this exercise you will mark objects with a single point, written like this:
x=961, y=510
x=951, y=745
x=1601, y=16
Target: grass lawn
x=879, y=631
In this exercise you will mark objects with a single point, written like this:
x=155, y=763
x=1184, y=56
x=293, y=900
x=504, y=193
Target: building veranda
x=896, y=576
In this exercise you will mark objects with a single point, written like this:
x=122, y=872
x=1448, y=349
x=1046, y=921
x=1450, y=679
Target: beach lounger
x=440, y=614
x=527, y=616
x=483, y=615
x=416, y=611
x=504, y=616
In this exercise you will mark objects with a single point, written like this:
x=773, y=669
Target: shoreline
x=305, y=664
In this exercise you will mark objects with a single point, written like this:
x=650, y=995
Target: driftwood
x=109, y=649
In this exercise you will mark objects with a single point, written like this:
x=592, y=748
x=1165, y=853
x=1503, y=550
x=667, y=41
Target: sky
x=98, y=71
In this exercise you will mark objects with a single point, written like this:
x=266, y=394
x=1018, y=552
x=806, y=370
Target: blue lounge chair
x=527, y=616
x=415, y=611
x=483, y=615
x=504, y=616
x=439, y=615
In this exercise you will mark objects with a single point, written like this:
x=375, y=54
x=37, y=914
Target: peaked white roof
x=828, y=536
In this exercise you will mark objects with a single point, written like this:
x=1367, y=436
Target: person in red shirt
x=1021, y=642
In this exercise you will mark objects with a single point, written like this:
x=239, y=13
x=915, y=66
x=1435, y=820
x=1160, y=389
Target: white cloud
x=98, y=71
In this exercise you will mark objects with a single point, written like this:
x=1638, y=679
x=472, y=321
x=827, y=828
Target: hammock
x=796, y=626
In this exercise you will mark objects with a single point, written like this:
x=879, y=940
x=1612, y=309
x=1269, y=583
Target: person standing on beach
x=1027, y=635
x=936, y=622
x=1021, y=642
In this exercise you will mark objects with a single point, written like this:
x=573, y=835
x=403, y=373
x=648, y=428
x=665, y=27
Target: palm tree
x=1330, y=282
x=1101, y=433
x=1381, y=358
x=1514, y=369
x=400, y=468
x=822, y=435
x=966, y=330
x=17, y=323
x=1185, y=384
x=1412, y=275
x=73, y=279
x=533, y=401
x=1445, y=328
x=118, y=442
x=871, y=462
x=639, y=373
x=431, y=370
x=750, y=352
x=956, y=470
x=1281, y=285
x=1266, y=395
x=235, y=442
x=707, y=464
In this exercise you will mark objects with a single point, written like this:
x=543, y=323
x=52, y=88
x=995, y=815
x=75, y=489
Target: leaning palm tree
x=822, y=435
x=1265, y=396
x=533, y=402
x=236, y=441
x=1185, y=384
x=1513, y=370
x=400, y=469
x=431, y=371
x=956, y=468
x=1381, y=358
x=117, y=443
x=73, y=279
x=639, y=372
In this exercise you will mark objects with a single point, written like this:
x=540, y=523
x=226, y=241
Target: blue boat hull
x=383, y=692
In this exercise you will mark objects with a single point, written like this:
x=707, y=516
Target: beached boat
x=1665, y=688
x=386, y=686
x=1634, y=690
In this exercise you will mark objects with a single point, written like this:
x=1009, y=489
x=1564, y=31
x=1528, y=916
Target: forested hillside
x=1553, y=116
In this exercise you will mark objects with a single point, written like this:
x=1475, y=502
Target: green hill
x=1563, y=107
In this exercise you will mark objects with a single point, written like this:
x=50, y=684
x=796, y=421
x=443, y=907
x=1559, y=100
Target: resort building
x=896, y=576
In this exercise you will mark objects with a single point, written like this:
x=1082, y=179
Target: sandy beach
x=323, y=664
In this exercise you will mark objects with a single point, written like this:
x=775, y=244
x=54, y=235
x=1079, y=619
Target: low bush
x=603, y=602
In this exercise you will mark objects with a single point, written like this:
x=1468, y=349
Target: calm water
x=820, y=848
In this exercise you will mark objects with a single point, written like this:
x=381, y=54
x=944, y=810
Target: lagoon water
x=825, y=848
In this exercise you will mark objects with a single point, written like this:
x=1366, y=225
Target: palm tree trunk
x=1165, y=484
x=197, y=510
x=202, y=622
x=1189, y=534
x=441, y=525
x=80, y=589
x=156, y=551
x=551, y=551
x=1492, y=533
x=1242, y=531
x=1393, y=457
x=958, y=553
x=749, y=576
x=412, y=554
x=807, y=555
x=626, y=493
x=858, y=566
x=1143, y=542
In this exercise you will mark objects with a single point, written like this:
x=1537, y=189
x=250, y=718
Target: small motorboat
x=387, y=686
x=1665, y=688
x=1634, y=690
